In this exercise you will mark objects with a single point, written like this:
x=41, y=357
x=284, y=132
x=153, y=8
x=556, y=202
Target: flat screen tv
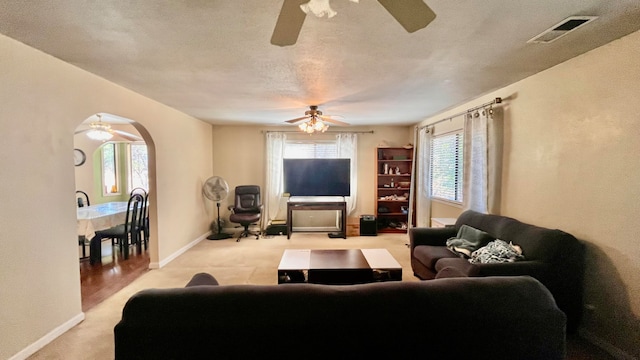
x=317, y=177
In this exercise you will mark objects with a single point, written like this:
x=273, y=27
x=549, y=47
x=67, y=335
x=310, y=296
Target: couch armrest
x=202, y=279
x=536, y=269
x=430, y=236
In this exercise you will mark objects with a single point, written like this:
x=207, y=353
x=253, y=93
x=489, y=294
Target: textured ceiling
x=213, y=59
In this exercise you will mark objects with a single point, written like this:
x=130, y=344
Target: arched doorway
x=110, y=170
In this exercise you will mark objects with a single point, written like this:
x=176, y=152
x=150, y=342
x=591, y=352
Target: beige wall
x=239, y=157
x=572, y=140
x=84, y=175
x=441, y=209
x=42, y=101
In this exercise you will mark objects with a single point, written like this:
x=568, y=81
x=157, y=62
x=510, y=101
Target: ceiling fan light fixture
x=313, y=125
x=100, y=131
x=318, y=8
x=320, y=126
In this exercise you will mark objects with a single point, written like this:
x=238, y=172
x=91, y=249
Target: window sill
x=447, y=202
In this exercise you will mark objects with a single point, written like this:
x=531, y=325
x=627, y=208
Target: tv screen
x=317, y=177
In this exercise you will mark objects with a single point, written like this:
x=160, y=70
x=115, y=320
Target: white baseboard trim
x=315, y=229
x=42, y=342
x=52, y=335
x=605, y=345
x=170, y=258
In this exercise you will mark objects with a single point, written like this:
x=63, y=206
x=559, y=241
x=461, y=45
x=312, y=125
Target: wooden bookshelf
x=393, y=191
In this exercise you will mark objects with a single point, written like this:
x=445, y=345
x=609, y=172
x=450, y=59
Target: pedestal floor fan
x=216, y=189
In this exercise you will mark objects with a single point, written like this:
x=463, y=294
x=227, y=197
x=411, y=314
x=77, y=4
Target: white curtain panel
x=275, y=154
x=347, y=144
x=422, y=177
x=482, y=162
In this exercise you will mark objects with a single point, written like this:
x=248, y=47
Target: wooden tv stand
x=317, y=203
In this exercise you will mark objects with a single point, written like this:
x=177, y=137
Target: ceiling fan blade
x=333, y=121
x=289, y=23
x=333, y=116
x=127, y=135
x=124, y=134
x=297, y=119
x=413, y=15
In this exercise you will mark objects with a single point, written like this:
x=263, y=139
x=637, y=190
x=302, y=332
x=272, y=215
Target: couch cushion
x=449, y=272
x=461, y=265
x=428, y=255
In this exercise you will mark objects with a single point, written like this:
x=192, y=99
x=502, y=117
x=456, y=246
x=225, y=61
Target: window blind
x=446, y=167
x=311, y=150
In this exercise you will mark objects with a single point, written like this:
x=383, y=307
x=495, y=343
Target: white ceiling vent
x=561, y=29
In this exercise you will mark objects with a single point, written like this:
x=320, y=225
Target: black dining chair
x=138, y=190
x=82, y=198
x=144, y=228
x=82, y=242
x=127, y=234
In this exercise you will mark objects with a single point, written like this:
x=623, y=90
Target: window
x=446, y=167
x=109, y=169
x=138, y=166
x=310, y=149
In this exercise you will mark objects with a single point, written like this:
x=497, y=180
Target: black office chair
x=82, y=199
x=144, y=228
x=127, y=234
x=247, y=209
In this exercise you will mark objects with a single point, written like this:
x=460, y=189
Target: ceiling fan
x=102, y=131
x=413, y=15
x=315, y=121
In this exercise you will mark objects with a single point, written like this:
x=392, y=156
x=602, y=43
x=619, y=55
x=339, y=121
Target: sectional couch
x=554, y=257
x=455, y=318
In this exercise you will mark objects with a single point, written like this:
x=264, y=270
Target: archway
x=100, y=280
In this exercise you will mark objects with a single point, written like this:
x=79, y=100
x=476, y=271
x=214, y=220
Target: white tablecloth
x=100, y=217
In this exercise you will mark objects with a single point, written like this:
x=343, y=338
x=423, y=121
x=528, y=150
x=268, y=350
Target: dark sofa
x=479, y=318
x=554, y=257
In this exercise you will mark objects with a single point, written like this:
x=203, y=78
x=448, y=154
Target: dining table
x=99, y=217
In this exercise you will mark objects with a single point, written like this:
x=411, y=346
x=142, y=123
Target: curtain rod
x=497, y=100
x=326, y=132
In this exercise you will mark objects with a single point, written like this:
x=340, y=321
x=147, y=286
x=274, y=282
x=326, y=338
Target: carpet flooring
x=249, y=261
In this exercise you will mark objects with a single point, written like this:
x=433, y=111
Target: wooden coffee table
x=338, y=267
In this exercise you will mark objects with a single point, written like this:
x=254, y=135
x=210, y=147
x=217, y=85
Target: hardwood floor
x=99, y=281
